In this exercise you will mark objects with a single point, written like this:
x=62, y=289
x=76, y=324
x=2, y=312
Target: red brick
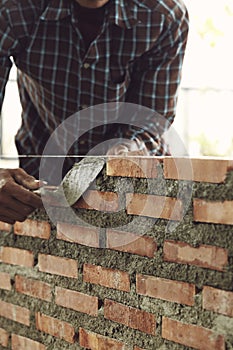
x=106, y=277
x=218, y=300
x=56, y=265
x=5, y=281
x=94, y=341
x=140, y=167
x=77, y=301
x=165, y=289
x=21, y=343
x=55, y=327
x=97, y=200
x=15, y=313
x=5, y=227
x=16, y=256
x=207, y=256
x=202, y=169
x=87, y=236
x=33, y=288
x=214, y=212
x=191, y=335
x=129, y=316
x=154, y=206
x=4, y=337
x=131, y=243
x=33, y=228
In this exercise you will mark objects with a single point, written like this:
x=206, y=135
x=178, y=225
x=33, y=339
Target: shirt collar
x=124, y=13
x=56, y=10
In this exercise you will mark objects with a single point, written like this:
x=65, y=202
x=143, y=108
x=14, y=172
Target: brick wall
x=146, y=264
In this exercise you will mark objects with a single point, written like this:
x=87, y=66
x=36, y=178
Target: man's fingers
x=12, y=208
x=16, y=199
x=11, y=216
x=28, y=198
x=7, y=219
x=17, y=207
x=14, y=192
x=24, y=179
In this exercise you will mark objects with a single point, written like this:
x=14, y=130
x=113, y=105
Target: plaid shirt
x=136, y=57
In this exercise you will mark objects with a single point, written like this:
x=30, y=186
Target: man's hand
x=16, y=199
x=129, y=148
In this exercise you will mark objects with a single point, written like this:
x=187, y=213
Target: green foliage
x=213, y=25
x=210, y=31
x=212, y=147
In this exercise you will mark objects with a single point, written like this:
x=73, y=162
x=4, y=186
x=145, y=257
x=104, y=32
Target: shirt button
x=83, y=107
x=86, y=65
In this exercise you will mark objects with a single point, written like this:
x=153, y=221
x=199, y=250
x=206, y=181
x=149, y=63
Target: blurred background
x=204, y=119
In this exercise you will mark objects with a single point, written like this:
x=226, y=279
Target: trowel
x=75, y=183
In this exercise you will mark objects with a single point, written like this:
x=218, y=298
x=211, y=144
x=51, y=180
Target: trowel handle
x=45, y=188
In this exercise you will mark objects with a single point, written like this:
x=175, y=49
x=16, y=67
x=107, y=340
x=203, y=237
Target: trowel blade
x=77, y=180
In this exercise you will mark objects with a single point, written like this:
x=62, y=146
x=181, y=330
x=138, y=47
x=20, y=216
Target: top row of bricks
x=212, y=170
